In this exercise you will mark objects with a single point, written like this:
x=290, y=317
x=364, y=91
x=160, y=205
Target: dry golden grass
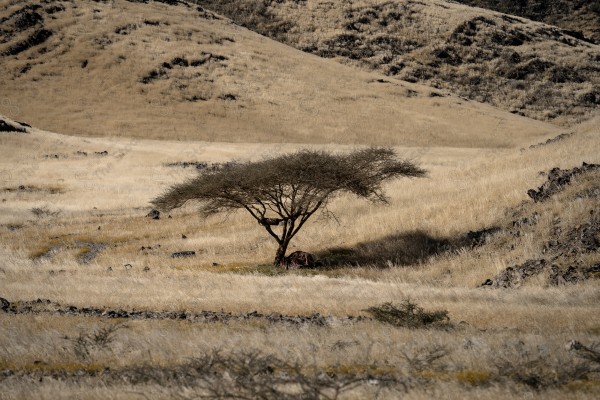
x=477, y=172
x=467, y=189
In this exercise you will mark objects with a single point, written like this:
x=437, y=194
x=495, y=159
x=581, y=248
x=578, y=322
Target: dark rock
x=571, y=275
x=4, y=304
x=557, y=179
x=593, y=270
x=187, y=253
x=154, y=214
x=555, y=139
x=11, y=127
x=180, y=61
x=515, y=276
x=186, y=164
x=228, y=97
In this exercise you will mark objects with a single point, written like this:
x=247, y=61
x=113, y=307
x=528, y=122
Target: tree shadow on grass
x=406, y=248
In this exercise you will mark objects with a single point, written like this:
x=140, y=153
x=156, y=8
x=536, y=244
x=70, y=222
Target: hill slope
x=156, y=70
x=518, y=65
x=577, y=15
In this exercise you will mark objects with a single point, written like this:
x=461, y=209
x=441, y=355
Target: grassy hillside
x=521, y=66
x=155, y=70
x=581, y=16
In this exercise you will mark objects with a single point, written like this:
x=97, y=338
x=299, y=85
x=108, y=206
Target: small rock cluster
x=557, y=179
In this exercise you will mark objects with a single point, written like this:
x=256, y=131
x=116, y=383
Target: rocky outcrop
x=557, y=179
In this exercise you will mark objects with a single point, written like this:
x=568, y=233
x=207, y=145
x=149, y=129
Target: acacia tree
x=282, y=193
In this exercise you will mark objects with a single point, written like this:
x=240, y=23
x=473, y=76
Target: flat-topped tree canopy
x=287, y=190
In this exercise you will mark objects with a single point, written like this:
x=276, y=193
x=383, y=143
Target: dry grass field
x=118, y=317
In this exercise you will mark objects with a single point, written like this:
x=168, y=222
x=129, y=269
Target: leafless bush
x=86, y=343
x=542, y=369
x=42, y=212
x=408, y=315
x=590, y=353
x=426, y=358
x=254, y=375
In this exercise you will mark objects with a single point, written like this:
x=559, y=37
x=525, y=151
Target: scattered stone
x=557, y=179
x=180, y=254
x=188, y=164
x=154, y=214
x=109, y=269
x=183, y=236
x=227, y=97
x=515, y=276
x=571, y=275
x=146, y=269
x=101, y=153
x=128, y=266
x=555, y=139
x=216, y=264
x=593, y=192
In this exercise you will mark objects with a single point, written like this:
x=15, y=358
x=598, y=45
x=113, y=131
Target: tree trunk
x=280, y=255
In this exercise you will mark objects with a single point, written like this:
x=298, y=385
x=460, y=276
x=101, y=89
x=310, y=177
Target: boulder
x=154, y=214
